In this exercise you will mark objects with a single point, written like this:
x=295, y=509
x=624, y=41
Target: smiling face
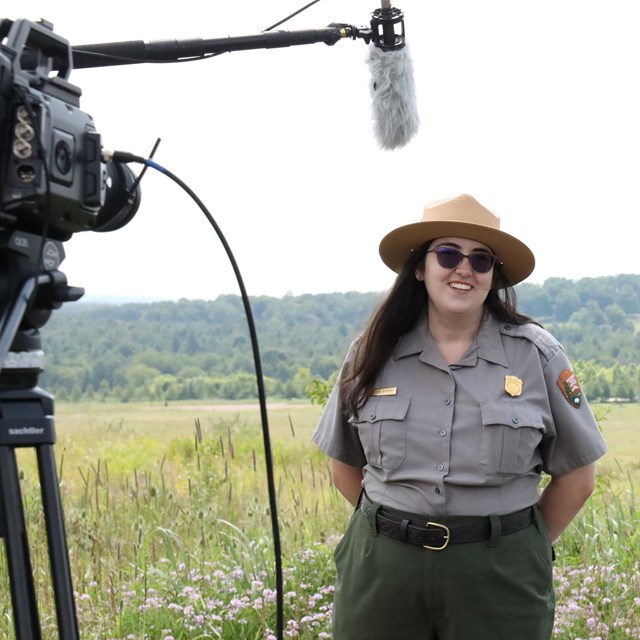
x=458, y=291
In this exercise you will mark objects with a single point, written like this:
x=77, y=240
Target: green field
x=156, y=425
x=169, y=530
x=621, y=428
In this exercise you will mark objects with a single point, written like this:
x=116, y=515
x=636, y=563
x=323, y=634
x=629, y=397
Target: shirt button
x=437, y=489
x=373, y=416
x=443, y=433
x=440, y=467
x=447, y=401
x=515, y=420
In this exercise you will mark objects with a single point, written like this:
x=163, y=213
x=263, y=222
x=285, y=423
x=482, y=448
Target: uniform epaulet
x=547, y=344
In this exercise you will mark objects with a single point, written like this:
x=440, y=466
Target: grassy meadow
x=169, y=530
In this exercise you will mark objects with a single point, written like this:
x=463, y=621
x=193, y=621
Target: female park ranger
x=449, y=407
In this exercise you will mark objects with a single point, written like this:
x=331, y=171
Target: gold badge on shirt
x=385, y=391
x=513, y=386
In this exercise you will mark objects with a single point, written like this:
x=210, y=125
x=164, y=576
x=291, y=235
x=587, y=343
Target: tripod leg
x=58, y=552
x=23, y=595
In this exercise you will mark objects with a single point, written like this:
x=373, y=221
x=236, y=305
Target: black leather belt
x=436, y=536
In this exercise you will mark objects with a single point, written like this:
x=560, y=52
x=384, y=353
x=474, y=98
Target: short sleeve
x=576, y=440
x=336, y=436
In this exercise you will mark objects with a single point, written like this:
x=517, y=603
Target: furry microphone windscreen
x=393, y=94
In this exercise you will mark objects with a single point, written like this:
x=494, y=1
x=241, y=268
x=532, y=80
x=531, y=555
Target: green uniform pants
x=499, y=589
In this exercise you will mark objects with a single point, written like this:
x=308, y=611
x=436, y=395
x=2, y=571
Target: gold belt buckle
x=447, y=536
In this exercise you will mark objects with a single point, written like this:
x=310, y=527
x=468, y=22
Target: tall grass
x=169, y=530
x=598, y=572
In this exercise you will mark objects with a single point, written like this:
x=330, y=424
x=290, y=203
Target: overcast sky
x=532, y=107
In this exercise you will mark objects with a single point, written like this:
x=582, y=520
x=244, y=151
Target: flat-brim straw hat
x=461, y=217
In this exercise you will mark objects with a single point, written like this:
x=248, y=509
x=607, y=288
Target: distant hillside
x=194, y=349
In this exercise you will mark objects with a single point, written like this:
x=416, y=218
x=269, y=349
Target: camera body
x=53, y=179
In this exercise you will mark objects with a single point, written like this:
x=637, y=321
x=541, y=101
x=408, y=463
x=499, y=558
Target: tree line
x=196, y=349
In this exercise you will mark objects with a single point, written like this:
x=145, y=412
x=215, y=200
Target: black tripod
x=26, y=420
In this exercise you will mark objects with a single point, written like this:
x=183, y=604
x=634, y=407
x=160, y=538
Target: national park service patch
x=570, y=387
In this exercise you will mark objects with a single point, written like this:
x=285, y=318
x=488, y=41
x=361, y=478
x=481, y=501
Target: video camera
x=54, y=180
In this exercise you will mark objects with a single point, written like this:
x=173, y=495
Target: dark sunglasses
x=450, y=258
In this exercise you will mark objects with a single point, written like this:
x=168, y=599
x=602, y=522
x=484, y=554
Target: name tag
x=385, y=391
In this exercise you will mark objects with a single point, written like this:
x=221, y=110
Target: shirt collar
x=487, y=345
x=490, y=345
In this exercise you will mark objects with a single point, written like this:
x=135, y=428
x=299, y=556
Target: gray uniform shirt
x=470, y=438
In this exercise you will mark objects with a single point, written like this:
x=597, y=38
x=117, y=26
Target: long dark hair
x=398, y=313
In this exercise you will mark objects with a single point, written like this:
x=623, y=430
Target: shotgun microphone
x=392, y=87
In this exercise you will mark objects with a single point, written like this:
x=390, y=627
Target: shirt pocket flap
x=385, y=408
x=512, y=414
